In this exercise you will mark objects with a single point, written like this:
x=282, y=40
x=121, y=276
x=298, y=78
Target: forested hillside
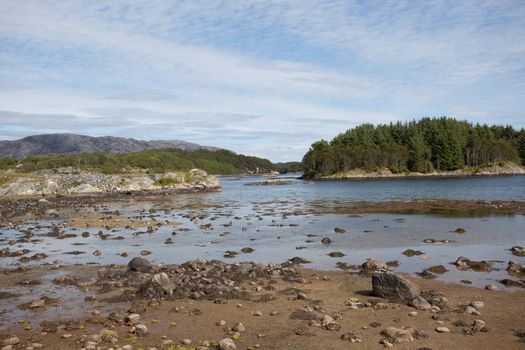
x=220, y=162
x=426, y=145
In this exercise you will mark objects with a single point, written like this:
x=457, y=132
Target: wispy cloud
x=261, y=77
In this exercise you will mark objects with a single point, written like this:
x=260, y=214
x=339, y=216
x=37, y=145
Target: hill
x=74, y=144
x=423, y=146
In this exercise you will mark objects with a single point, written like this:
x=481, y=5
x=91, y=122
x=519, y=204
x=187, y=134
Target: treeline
x=220, y=162
x=289, y=167
x=426, y=145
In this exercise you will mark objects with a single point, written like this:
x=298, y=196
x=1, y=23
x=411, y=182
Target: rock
x=491, y=287
x=141, y=330
x=84, y=188
x=412, y=252
x=440, y=269
x=373, y=265
x=258, y=313
x=442, y=329
x=478, y=326
x=388, y=285
x=460, y=230
x=108, y=334
x=464, y=263
x=326, y=240
x=11, y=341
x=158, y=286
x=186, y=341
x=477, y=304
x=221, y=323
x=471, y=310
x=239, y=327
x=518, y=251
x=37, y=303
x=336, y=254
x=132, y=319
x=140, y=265
x=412, y=313
x=420, y=303
x=515, y=267
x=227, y=344
x=398, y=335
x=339, y=230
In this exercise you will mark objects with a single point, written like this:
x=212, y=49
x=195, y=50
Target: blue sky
x=264, y=78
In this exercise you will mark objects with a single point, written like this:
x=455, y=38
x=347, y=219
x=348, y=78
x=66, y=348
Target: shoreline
x=293, y=307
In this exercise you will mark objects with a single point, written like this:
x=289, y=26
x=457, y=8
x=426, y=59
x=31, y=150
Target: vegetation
x=221, y=162
x=289, y=167
x=426, y=145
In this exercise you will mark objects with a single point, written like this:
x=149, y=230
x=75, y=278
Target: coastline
x=508, y=169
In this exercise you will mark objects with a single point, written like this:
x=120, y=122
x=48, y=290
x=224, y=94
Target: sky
x=264, y=78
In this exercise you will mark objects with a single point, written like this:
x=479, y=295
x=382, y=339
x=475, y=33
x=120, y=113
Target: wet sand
x=280, y=324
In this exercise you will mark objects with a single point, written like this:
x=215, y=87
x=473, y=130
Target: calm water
x=281, y=222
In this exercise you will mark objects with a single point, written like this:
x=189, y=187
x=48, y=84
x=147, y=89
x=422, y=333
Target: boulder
x=388, y=285
x=158, y=286
x=140, y=265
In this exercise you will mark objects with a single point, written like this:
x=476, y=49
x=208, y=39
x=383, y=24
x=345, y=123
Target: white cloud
x=268, y=77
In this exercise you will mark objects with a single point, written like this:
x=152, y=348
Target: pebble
x=67, y=335
x=221, y=323
x=141, y=330
x=186, y=341
x=37, y=303
x=412, y=313
x=442, y=330
x=258, y=313
x=132, y=319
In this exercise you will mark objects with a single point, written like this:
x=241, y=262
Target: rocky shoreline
x=506, y=169
x=214, y=305
x=69, y=181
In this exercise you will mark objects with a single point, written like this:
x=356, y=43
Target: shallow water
x=281, y=222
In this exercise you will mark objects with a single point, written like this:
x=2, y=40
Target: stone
x=518, y=251
x=141, y=330
x=132, y=319
x=477, y=304
x=412, y=313
x=491, y=287
x=478, y=325
x=158, y=286
x=442, y=329
x=463, y=263
x=11, y=341
x=108, y=334
x=420, y=303
x=388, y=285
x=471, y=310
x=373, y=265
x=140, y=265
x=258, y=313
x=239, y=327
x=221, y=323
x=227, y=344
x=186, y=341
x=37, y=303
x=515, y=267
x=398, y=335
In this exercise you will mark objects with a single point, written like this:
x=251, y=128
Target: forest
x=220, y=162
x=425, y=145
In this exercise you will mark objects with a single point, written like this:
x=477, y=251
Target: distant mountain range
x=73, y=144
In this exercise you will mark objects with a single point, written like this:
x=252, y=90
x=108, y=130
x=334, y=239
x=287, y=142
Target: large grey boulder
x=388, y=285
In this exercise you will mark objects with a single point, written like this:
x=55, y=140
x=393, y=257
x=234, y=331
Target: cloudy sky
x=264, y=78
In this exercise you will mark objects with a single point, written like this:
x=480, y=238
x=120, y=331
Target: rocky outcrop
x=74, y=181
